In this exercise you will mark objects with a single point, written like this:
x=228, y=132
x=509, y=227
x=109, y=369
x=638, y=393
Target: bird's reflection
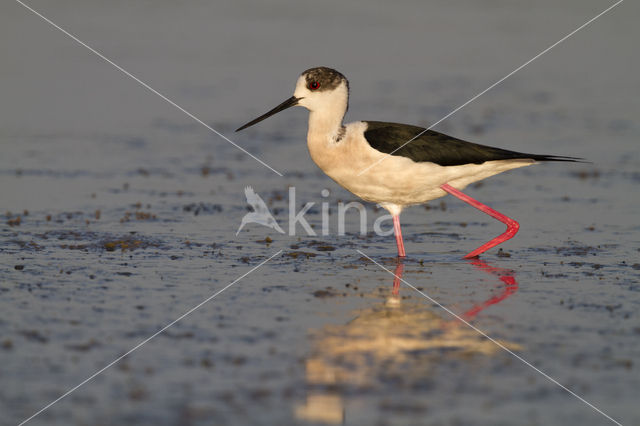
x=509, y=286
x=398, y=341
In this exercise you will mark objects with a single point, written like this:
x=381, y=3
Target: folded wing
x=438, y=148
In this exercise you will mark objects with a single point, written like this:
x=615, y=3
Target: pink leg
x=512, y=225
x=397, y=278
x=398, y=232
x=505, y=275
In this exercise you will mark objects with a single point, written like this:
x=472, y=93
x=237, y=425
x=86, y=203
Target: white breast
x=394, y=180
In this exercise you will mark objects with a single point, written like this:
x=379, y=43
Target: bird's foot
x=512, y=229
x=512, y=225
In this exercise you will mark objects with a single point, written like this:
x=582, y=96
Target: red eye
x=314, y=85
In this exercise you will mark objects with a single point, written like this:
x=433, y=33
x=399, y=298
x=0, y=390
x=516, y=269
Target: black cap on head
x=328, y=78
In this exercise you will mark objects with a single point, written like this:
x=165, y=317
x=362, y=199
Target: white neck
x=326, y=113
x=326, y=123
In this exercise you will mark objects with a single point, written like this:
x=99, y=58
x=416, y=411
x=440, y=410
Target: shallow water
x=120, y=215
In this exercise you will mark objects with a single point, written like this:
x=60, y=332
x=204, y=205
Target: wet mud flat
x=319, y=334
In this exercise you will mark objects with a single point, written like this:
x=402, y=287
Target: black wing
x=439, y=148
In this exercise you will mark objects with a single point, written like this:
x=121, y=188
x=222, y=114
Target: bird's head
x=317, y=89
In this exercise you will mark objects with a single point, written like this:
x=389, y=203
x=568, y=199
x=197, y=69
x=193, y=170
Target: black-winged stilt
x=373, y=160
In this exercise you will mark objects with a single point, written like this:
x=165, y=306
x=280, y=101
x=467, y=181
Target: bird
x=260, y=214
x=396, y=165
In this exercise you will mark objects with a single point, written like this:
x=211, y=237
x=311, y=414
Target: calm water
x=128, y=211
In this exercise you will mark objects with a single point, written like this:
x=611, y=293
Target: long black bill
x=292, y=101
